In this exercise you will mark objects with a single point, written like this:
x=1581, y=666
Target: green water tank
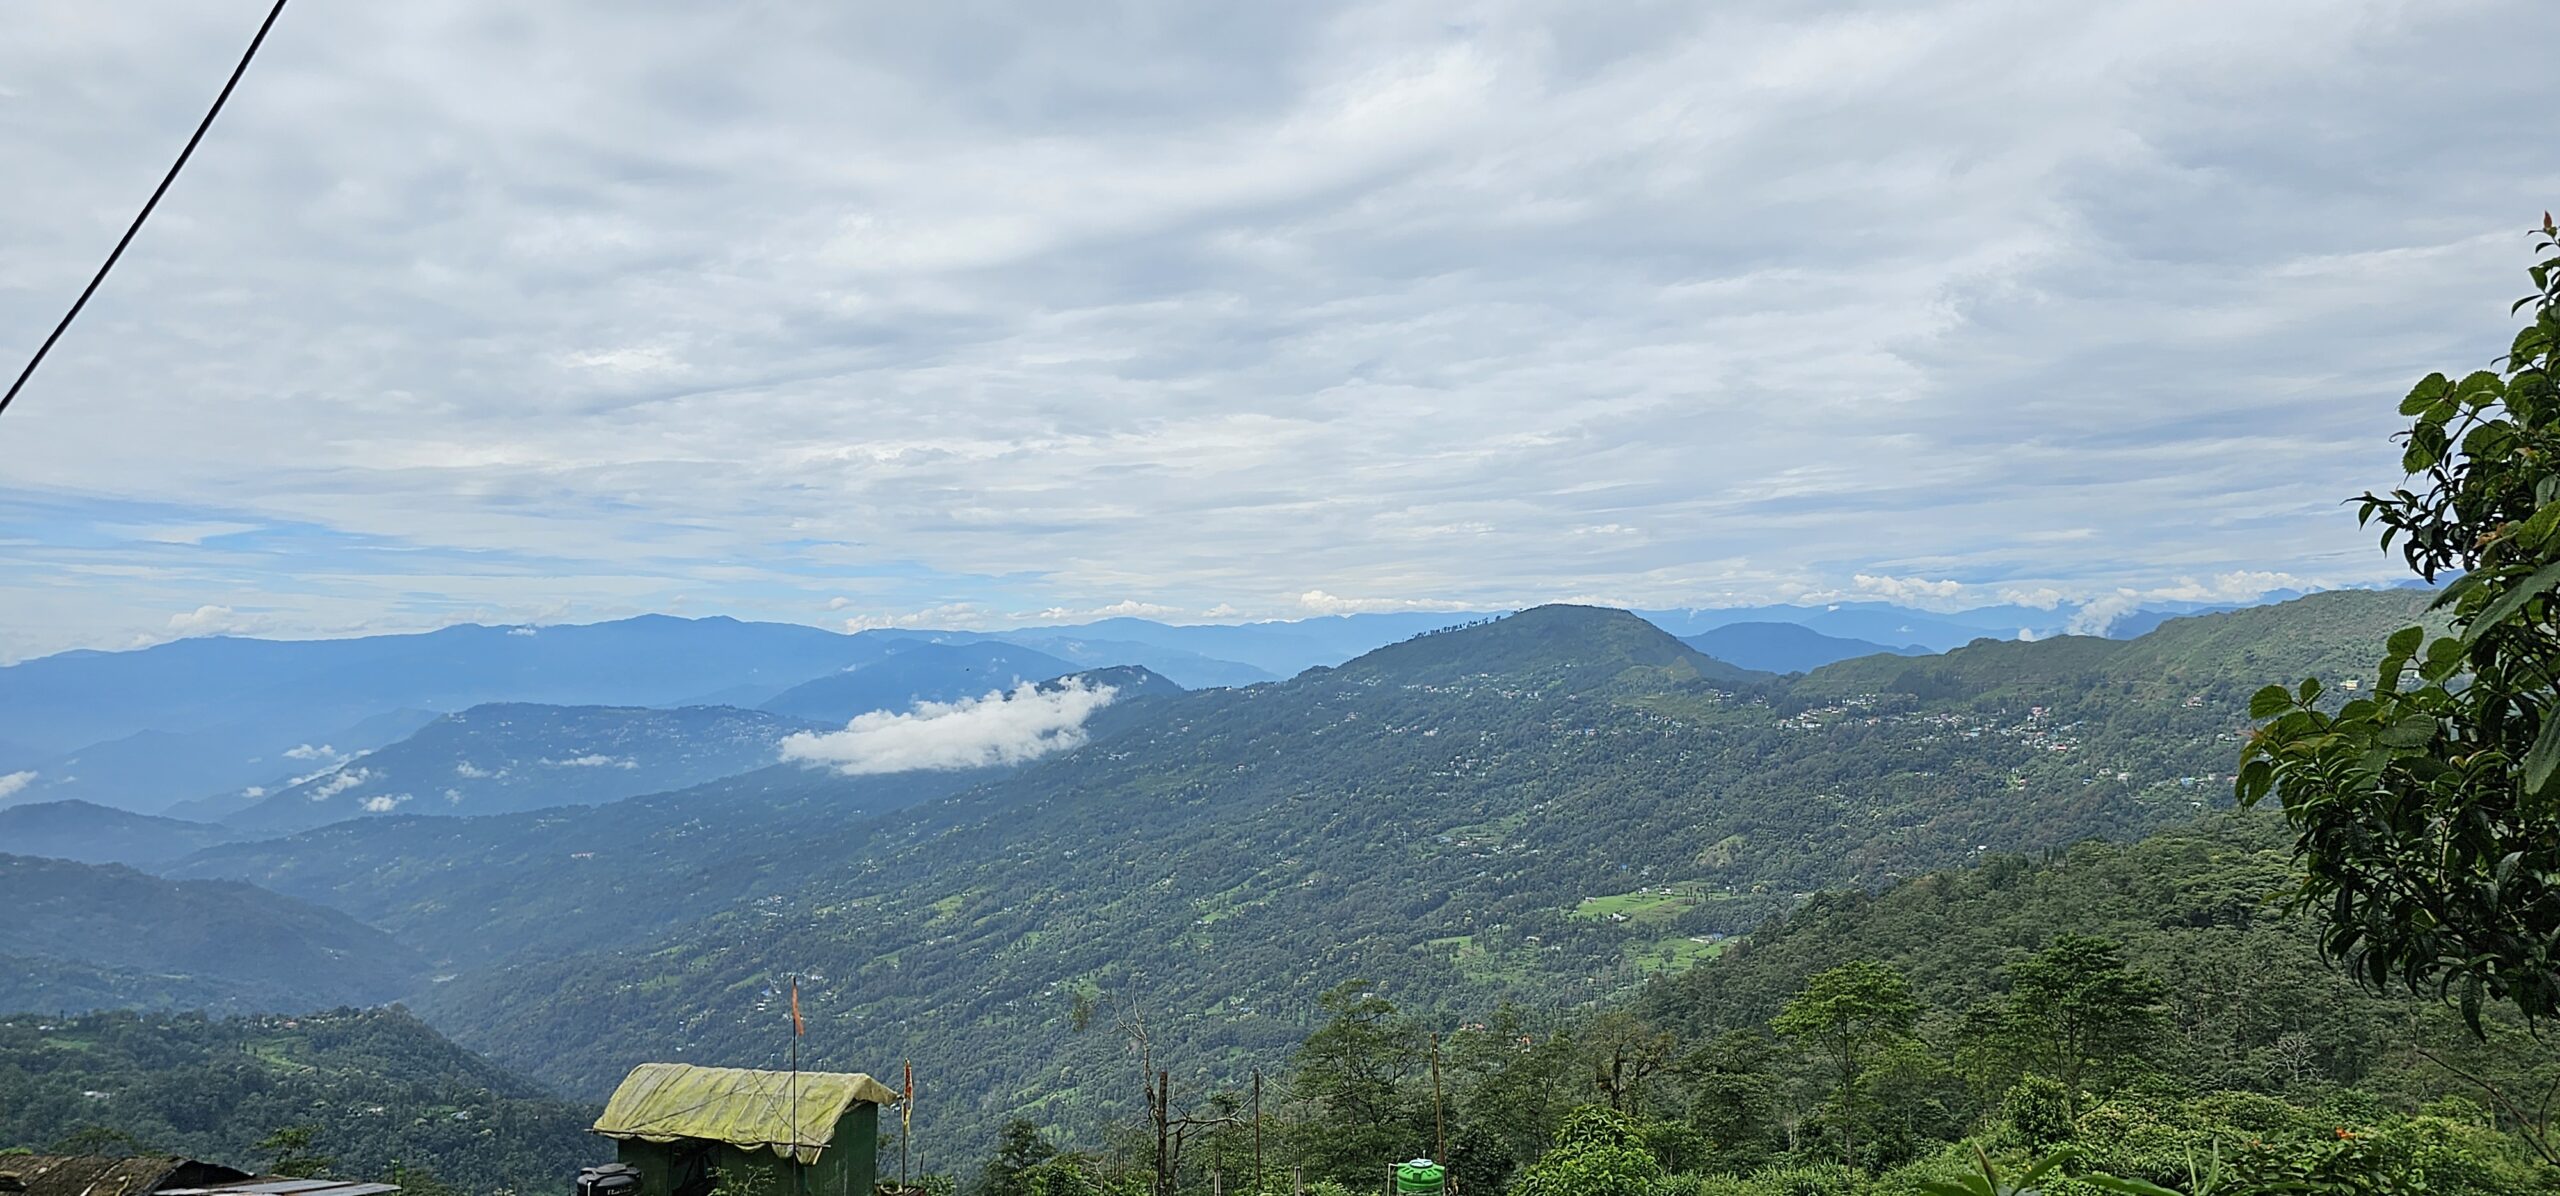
x=1421, y=1177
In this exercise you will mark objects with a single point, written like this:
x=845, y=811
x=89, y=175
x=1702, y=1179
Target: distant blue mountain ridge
x=202, y=728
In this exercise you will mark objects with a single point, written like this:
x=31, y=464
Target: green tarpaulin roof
x=792, y=1114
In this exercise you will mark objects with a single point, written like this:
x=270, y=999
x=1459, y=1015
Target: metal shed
x=809, y=1133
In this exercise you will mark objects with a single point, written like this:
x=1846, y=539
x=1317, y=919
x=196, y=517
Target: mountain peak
x=1561, y=643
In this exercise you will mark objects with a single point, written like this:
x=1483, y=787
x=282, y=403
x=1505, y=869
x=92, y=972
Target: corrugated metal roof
x=89, y=1175
x=792, y=1114
x=286, y=1187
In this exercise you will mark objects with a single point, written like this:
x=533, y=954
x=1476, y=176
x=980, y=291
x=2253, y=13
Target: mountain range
x=1542, y=808
x=187, y=728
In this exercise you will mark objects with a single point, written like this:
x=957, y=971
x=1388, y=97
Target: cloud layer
x=999, y=728
x=521, y=312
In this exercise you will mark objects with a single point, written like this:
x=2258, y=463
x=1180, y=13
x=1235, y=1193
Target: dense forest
x=366, y=1093
x=2143, y=1006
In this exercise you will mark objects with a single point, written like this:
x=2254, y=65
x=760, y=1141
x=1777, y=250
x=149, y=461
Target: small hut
x=686, y=1128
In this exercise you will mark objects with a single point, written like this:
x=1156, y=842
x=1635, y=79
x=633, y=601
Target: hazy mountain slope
x=78, y=830
x=1189, y=669
x=506, y=757
x=921, y=672
x=379, y=1085
x=256, y=697
x=467, y=890
x=172, y=773
x=1784, y=647
x=203, y=944
x=2338, y=633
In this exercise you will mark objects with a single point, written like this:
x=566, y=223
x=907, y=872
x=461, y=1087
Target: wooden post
x=1439, y=1124
x=1297, y=1181
x=1257, y=1132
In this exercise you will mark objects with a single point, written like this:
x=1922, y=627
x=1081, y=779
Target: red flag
x=907, y=1101
x=796, y=1028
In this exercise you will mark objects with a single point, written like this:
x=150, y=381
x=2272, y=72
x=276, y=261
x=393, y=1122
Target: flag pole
x=795, y=1066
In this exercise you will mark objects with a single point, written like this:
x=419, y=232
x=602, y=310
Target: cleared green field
x=1673, y=954
x=1659, y=904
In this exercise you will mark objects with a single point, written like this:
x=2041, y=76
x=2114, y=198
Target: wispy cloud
x=999, y=728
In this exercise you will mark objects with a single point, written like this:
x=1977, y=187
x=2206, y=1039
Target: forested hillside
x=88, y=935
x=2140, y=1004
x=380, y=1094
x=91, y=833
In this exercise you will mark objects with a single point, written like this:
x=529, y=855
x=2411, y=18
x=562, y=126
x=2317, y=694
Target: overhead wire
x=147, y=206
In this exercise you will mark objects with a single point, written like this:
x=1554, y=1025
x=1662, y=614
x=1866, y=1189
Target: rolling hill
x=85, y=935
x=95, y=834
x=1785, y=647
x=381, y=1089
x=506, y=757
x=920, y=672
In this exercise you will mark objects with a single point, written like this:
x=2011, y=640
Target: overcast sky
x=979, y=313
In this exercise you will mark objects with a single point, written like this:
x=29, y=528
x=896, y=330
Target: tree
x=1733, y=1097
x=1850, y=1014
x=1020, y=1146
x=2426, y=815
x=289, y=1152
x=1362, y=1072
x=1597, y=1153
x=1625, y=1053
x=2076, y=1012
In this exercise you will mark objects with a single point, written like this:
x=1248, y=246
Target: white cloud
x=11, y=783
x=465, y=768
x=1322, y=603
x=999, y=728
x=213, y=620
x=311, y=752
x=2039, y=598
x=384, y=803
x=523, y=631
x=1134, y=609
x=1908, y=589
x=254, y=791
x=947, y=615
x=2100, y=614
x=596, y=760
x=345, y=779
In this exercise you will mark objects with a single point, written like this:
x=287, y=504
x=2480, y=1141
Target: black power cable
x=145, y=214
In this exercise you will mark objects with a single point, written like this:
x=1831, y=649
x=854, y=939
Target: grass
x=1662, y=904
x=1673, y=954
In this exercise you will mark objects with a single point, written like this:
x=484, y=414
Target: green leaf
x=2544, y=756
x=2425, y=393
x=2412, y=731
x=2480, y=388
x=2255, y=779
x=2049, y=1162
x=2270, y=702
x=2406, y=641
x=2309, y=691
x=2507, y=604
x=2130, y=1187
x=2444, y=659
